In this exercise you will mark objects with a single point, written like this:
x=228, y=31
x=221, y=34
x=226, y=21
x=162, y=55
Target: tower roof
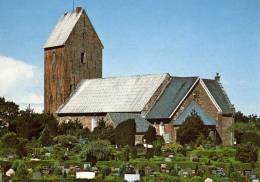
x=63, y=29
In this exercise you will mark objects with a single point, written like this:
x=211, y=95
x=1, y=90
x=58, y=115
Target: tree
x=8, y=111
x=103, y=132
x=66, y=141
x=192, y=129
x=71, y=127
x=9, y=140
x=125, y=133
x=45, y=138
x=150, y=135
x=247, y=152
x=98, y=149
x=21, y=150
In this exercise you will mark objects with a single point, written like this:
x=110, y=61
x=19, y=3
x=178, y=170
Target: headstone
x=132, y=177
x=85, y=175
x=208, y=180
x=86, y=166
x=255, y=180
x=10, y=173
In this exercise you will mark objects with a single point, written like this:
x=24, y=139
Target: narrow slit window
x=83, y=58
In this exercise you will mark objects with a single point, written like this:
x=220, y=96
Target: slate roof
x=63, y=29
x=193, y=106
x=169, y=100
x=219, y=94
x=142, y=124
x=115, y=94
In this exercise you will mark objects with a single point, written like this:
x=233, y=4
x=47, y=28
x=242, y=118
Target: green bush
x=133, y=151
x=45, y=138
x=252, y=137
x=247, y=152
x=21, y=150
x=150, y=135
x=192, y=129
x=98, y=149
x=196, y=179
x=9, y=140
x=157, y=145
x=125, y=133
x=67, y=141
x=103, y=132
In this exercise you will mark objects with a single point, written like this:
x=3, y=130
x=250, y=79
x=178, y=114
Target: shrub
x=103, y=132
x=192, y=128
x=172, y=148
x=21, y=150
x=125, y=153
x=70, y=127
x=105, y=170
x=252, y=137
x=45, y=137
x=150, y=135
x=157, y=145
x=125, y=133
x=67, y=141
x=9, y=140
x=196, y=179
x=99, y=149
x=133, y=151
x=247, y=152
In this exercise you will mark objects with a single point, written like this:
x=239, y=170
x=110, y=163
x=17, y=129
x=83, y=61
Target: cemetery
x=34, y=147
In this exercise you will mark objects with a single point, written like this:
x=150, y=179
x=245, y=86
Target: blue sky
x=182, y=37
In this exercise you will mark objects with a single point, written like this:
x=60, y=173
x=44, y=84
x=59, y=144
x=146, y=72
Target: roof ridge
x=127, y=76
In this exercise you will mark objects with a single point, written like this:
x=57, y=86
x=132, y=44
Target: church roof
x=219, y=94
x=172, y=96
x=193, y=106
x=115, y=94
x=63, y=29
x=142, y=124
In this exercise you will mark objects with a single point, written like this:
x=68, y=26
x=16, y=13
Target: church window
x=83, y=58
x=70, y=88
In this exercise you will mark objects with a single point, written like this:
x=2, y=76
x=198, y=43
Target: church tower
x=72, y=52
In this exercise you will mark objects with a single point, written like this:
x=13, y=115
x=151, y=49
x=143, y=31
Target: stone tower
x=72, y=52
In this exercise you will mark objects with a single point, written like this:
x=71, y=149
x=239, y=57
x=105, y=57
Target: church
x=75, y=89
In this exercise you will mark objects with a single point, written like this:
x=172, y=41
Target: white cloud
x=21, y=82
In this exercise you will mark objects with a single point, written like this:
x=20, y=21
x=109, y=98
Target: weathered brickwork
x=64, y=66
x=200, y=96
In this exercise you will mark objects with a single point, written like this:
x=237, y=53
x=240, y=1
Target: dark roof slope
x=193, y=106
x=169, y=100
x=219, y=94
x=141, y=123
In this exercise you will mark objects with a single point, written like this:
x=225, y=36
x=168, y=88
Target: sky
x=180, y=37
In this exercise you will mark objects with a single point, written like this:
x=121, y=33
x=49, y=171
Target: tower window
x=83, y=58
x=70, y=88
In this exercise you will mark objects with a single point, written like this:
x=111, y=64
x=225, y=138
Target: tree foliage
x=247, y=152
x=99, y=149
x=70, y=127
x=9, y=140
x=103, y=132
x=192, y=129
x=45, y=138
x=125, y=133
x=150, y=135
